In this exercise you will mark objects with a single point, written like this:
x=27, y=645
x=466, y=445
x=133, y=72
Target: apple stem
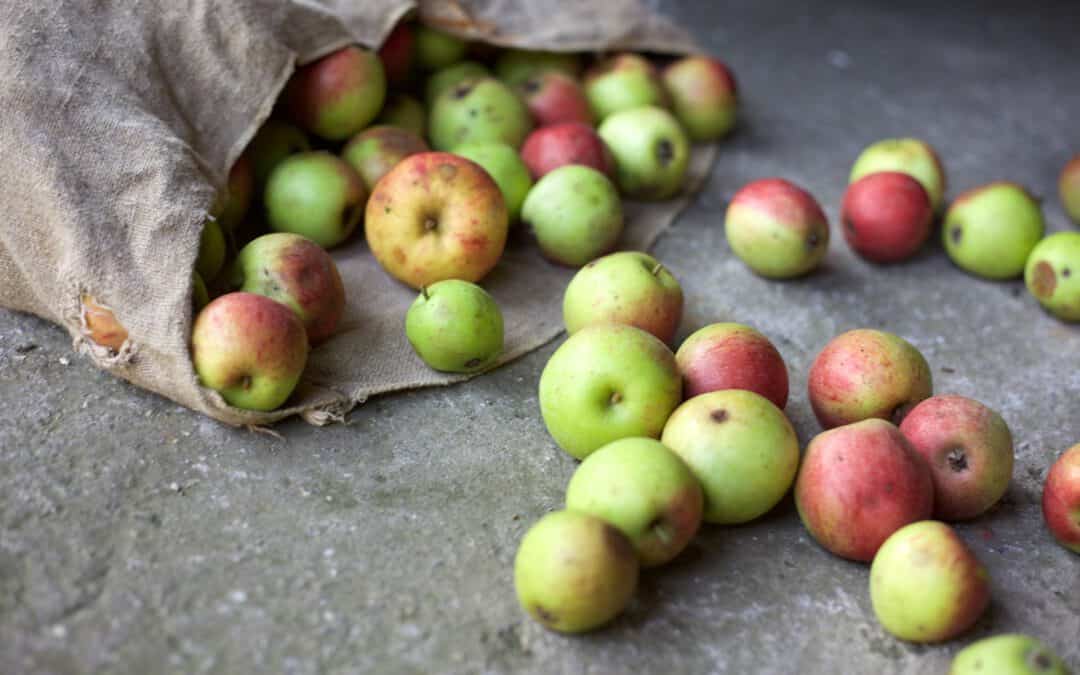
x=656, y=269
x=424, y=292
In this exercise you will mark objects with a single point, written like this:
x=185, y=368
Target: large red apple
x=553, y=98
x=1061, y=499
x=886, y=216
x=548, y=148
x=732, y=356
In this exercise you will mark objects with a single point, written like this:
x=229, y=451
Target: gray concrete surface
x=137, y=537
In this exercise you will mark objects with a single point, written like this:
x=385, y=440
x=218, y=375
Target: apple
x=908, y=155
x=553, y=98
x=926, y=585
x=436, y=216
x=628, y=287
x=507, y=170
x=200, y=296
x=250, y=349
x=573, y=572
x=1069, y=189
x=274, y=141
x=623, y=82
x=405, y=112
x=241, y=184
x=1009, y=654
x=989, y=231
x=514, y=66
x=732, y=356
x=478, y=110
x=317, y=195
x=1052, y=274
x=337, y=95
x=886, y=216
x=100, y=324
x=650, y=150
x=969, y=450
x=436, y=49
x=451, y=76
x=860, y=483
x=455, y=326
x=376, y=150
x=551, y=147
x=776, y=228
x=741, y=448
x=211, y=250
x=396, y=54
x=645, y=490
x=296, y=272
x=607, y=382
x=867, y=373
x=703, y=96
x=1061, y=499
x=575, y=214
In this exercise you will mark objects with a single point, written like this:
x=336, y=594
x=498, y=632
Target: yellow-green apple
x=575, y=214
x=200, y=296
x=337, y=95
x=507, y=170
x=573, y=572
x=250, y=349
x=860, y=483
x=100, y=324
x=274, y=141
x=703, y=96
x=607, y=382
x=553, y=98
x=296, y=272
x=376, y=150
x=622, y=82
x=211, y=250
x=732, y=356
x=886, y=216
x=1009, y=654
x=1069, y=188
x=478, y=110
x=455, y=326
x=907, y=155
x=316, y=195
x=926, y=585
x=645, y=490
x=1052, y=274
x=1061, y=499
x=969, y=450
x=989, y=231
x=551, y=147
x=396, y=54
x=436, y=216
x=650, y=151
x=451, y=76
x=404, y=111
x=866, y=373
x=436, y=49
x=628, y=287
x=514, y=66
x=776, y=228
x=241, y=184
x=742, y=449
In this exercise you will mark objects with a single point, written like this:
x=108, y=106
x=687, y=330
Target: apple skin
x=211, y=250
x=274, y=141
x=742, y=449
x=969, y=450
x=396, y=54
x=337, y=95
x=250, y=349
x=1052, y=274
x=926, y=585
x=514, y=66
x=908, y=155
x=628, y=287
x=1069, y=189
x=455, y=326
x=296, y=272
x=703, y=95
x=505, y=167
x=866, y=373
x=573, y=572
x=405, y=112
x=451, y=76
x=989, y=231
x=1009, y=654
x=551, y=147
x=376, y=150
x=478, y=110
x=776, y=228
x=553, y=98
x=860, y=483
x=575, y=214
x=623, y=82
x=100, y=324
x=645, y=490
x=886, y=216
x=200, y=296
x=435, y=49
x=239, y=189
x=316, y=195
x=1061, y=499
x=436, y=216
x=650, y=150
x=732, y=356
x=607, y=382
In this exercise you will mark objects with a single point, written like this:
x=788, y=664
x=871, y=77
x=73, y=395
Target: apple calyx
x=957, y=460
x=719, y=415
x=663, y=530
x=665, y=151
x=615, y=399
x=430, y=224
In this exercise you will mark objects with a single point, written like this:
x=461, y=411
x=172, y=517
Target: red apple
x=337, y=95
x=396, y=54
x=777, y=228
x=548, y=148
x=886, y=216
x=703, y=96
x=553, y=97
x=1061, y=499
x=1069, y=188
x=732, y=356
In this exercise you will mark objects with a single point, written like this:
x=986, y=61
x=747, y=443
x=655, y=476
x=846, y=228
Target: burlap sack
x=119, y=120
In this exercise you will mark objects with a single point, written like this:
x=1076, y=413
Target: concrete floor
x=138, y=537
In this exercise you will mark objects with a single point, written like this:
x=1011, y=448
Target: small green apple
x=200, y=297
x=907, y=155
x=405, y=112
x=478, y=110
x=776, y=228
x=506, y=168
x=436, y=49
x=623, y=82
x=455, y=326
x=1052, y=274
x=989, y=231
x=651, y=152
x=448, y=77
x=274, y=141
x=317, y=195
x=514, y=66
x=575, y=214
x=211, y=251
x=1009, y=654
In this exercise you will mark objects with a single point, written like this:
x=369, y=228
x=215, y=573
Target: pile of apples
x=554, y=141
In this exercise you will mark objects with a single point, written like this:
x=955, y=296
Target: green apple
x=907, y=155
x=776, y=228
x=645, y=490
x=607, y=382
x=1052, y=274
x=703, y=96
x=274, y=141
x=574, y=572
x=211, y=250
x=650, y=150
x=455, y=326
x=405, y=112
x=376, y=150
x=478, y=110
x=200, y=297
x=238, y=193
x=623, y=82
x=575, y=214
x=507, y=170
x=514, y=66
x=1009, y=654
x=317, y=195
x=741, y=448
x=436, y=49
x=989, y=231
x=337, y=95
x=448, y=77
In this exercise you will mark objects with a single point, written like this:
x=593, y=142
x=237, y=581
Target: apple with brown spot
x=376, y=150
x=1061, y=499
x=553, y=98
x=551, y=147
x=732, y=356
x=886, y=216
x=337, y=95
